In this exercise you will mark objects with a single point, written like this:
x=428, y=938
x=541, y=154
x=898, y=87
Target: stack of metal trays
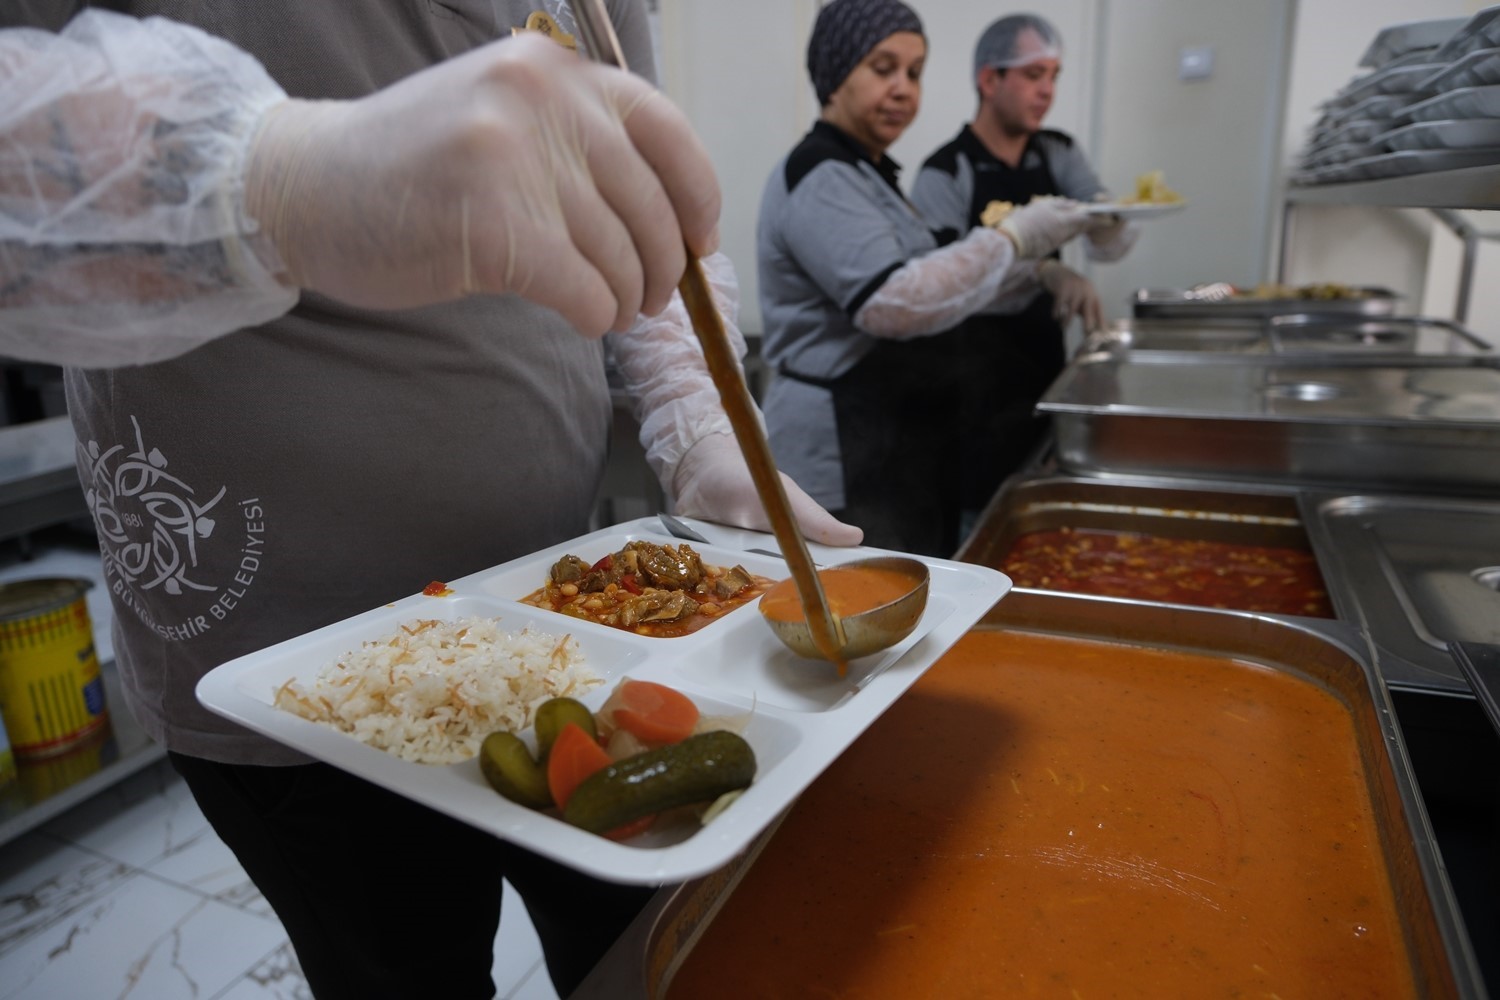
x=1415, y=575
x=1264, y=301
x=1430, y=104
x=1305, y=335
x=1423, y=424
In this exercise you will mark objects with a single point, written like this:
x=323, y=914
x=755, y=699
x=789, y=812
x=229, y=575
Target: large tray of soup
x=1089, y=798
x=454, y=696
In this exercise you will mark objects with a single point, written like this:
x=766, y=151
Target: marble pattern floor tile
x=131, y=894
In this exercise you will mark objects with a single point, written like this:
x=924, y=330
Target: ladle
x=602, y=45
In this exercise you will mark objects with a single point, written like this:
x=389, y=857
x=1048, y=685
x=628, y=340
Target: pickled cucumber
x=507, y=764
x=699, y=769
x=553, y=714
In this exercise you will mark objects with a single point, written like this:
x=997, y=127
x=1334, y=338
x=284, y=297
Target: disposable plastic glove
x=684, y=429
x=1044, y=224
x=1111, y=237
x=1073, y=295
x=713, y=482
x=518, y=167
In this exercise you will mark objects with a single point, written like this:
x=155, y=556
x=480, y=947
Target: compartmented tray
x=660, y=942
x=803, y=714
x=1396, y=41
x=1449, y=133
x=1475, y=69
x=1415, y=574
x=1424, y=424
x=1465, y=102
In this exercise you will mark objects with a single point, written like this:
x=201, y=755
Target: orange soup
x=849, y=589
x=1050, y=817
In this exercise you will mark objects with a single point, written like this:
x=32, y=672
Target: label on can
x=51, y=691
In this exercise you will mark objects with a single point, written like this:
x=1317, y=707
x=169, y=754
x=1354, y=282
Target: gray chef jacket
x=833, y=227
x=285, y=477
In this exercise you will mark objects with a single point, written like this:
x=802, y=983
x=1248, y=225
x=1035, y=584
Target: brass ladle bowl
x=869, y=631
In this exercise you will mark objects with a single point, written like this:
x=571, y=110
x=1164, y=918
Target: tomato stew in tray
x=660, y=591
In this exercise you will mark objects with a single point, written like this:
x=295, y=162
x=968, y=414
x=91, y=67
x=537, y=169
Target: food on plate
x=699, y=769
x=432, y=691
x=654, y=590
x=647, y=751
x=1151, y=189
x=848, y=589
x=996, y=212
x=1057, y=817
x=1276, y=579
x=1325, y=291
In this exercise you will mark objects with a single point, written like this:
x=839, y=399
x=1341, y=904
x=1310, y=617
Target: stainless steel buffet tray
x=1301, y=334
x=642, y=962
x=1414, y=574
x=1182, y=303
x=1422, y=424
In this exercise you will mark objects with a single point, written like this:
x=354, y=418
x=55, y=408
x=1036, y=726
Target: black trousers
x=383, y=897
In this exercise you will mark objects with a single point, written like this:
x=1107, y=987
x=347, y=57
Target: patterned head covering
x=846, y=31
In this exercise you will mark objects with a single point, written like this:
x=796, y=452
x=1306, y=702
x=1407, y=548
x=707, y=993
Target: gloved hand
x=1111, y=237
x=1044, y=224
x=713, y=483
x=1072, y=294
x=518, y=167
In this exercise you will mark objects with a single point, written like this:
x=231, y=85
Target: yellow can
x=51, y=693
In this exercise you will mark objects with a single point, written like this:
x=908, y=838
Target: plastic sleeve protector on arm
x=123, y=238
x=1114, y=245
x=937, y=290
x=672, y=394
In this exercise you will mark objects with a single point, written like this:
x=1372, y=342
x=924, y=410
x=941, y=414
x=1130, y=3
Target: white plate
x=1134, y=211
x=805, y=715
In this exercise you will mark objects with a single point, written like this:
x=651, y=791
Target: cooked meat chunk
x=657, y=606
x=569, y=569
x=731, y=582
x=671, y=567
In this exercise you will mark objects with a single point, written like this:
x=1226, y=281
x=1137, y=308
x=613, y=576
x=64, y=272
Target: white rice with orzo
x=433, y=691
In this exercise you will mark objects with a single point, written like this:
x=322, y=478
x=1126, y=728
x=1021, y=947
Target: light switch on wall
x=1195, y=62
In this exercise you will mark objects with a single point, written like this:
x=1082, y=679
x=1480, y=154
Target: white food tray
x=804, y=714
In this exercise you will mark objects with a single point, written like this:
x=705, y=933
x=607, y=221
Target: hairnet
x=1005, y=44
x=846, y=31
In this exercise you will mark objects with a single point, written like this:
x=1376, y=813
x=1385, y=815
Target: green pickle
x=553, y=714
x=507, y=765
x=699, y=769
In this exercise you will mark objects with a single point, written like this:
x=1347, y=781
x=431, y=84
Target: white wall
x=738, y=70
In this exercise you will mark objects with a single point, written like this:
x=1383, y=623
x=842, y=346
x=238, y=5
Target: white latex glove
x=518, y=167
x=1073, y=295
x=713, y=483
x=1044, y=224
x=1111, y=237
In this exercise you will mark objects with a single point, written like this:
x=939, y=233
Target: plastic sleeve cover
x=1114, y=245
x=662, y=365
x=936, y=291
x=123, y=238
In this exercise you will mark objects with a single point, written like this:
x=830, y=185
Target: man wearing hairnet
x=330, y=288
x=1005, y=155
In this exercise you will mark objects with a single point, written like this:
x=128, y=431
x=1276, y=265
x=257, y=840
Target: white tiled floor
x=131, y=894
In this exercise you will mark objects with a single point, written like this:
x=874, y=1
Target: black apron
x=1009, y=360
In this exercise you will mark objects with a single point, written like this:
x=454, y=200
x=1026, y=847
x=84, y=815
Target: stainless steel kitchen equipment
x=1421, y=424
x=642, y=962
x=1300, y=333
x=1481, y=667
x=1415, y=574
x=1180, y=303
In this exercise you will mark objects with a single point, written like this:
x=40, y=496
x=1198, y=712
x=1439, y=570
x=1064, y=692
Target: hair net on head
x=1017, y=40
x=846, y=31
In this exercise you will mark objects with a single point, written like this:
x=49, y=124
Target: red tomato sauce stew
x=848, y=590
x=1054, y=817
x=1171, y=570
x=654, y=590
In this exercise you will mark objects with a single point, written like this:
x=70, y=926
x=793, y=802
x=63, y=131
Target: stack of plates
x=1432, y=102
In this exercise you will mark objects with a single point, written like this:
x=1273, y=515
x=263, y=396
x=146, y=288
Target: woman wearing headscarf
x=856, y=290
